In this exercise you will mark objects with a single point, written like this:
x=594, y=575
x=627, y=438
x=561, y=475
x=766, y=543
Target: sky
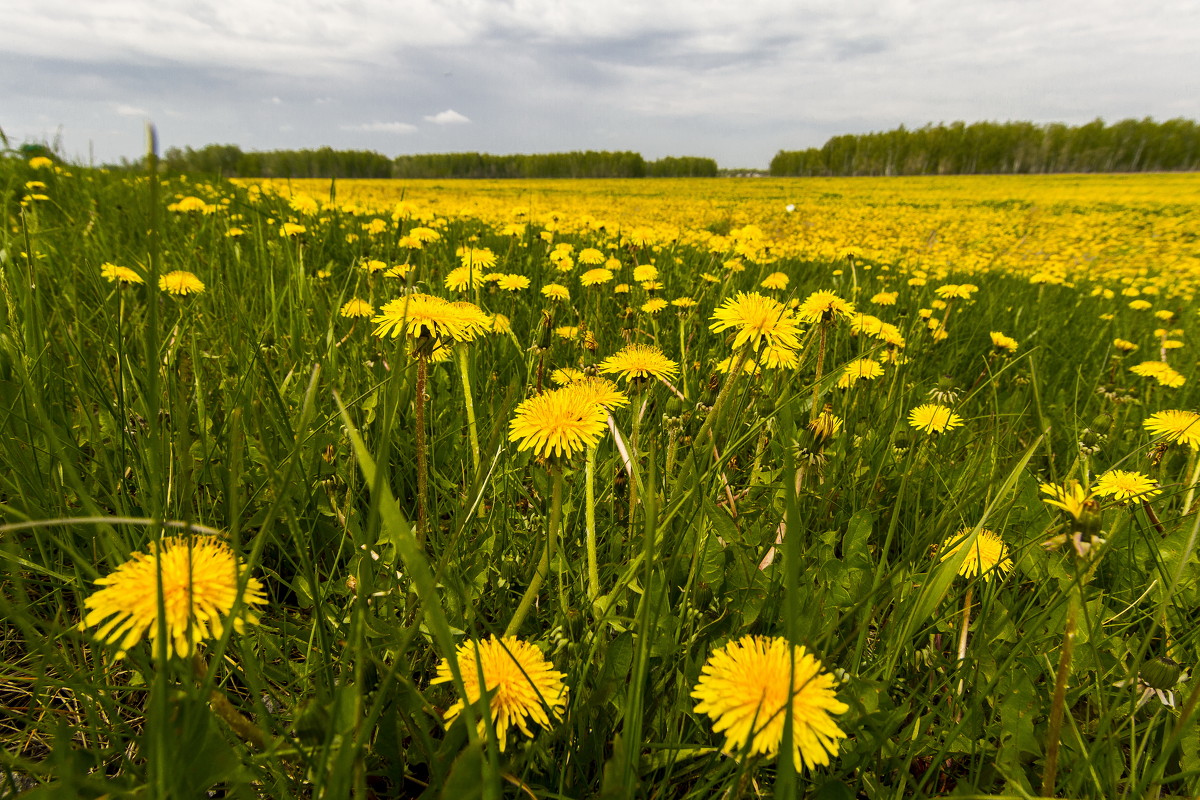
x=735, y=81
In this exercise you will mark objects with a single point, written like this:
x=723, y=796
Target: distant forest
x=1002, y=148
x=230, y=161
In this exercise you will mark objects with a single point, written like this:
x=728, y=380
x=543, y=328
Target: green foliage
x=1001, y=148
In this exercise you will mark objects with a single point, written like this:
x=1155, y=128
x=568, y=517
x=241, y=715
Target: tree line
x=1130, y=145
x=231, y=161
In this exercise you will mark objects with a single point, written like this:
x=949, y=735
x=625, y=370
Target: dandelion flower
x=885, y=298
x=599, y=390
x=291, y=229
x=988, y=555
x=559, y=422
x=1125, y=487
x=1159, y=371
x=591, y=256
x=1175, y=427
x=566, y=375
x=824, y=306
x=640, y=361
x=420, y=315
x=776, y=280
x=859, y=369
x=357, y=308
x=747, y=686
x=594, y=277
x=180, y=282
x=654, y=305
x=476, y=257
x=1070, y=497
x=524, y=686
x=200, y=591
x=952, y=291
x=756, y=318
x=513, y=283
x=645, y=272
x=113, y=272
x=1002, y=342
x=556, y=291
x=934, y=418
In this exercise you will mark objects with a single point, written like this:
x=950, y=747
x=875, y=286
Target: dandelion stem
x=1053, y=733
x=245, y=730
x=1191, y=492
x=962, y=636
x=464, y=368
x=590, y=489
x=710, y=424
x=543, y=567
x=422, y=444
x=820, y=367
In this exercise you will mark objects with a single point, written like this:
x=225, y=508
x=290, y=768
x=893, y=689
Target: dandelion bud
x=1102, y=424
x=1161, y=673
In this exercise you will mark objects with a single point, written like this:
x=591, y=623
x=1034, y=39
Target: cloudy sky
x=736, y=80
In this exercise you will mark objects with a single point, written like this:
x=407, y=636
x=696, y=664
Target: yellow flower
x=357, y=308
x=566, y=375
x=461, y=278
x=559, y=422
x=1070, y=497
x=884, y=298
x=645, y=272
x=291, y=229
x=420, y=315
x=987, y=557
x=1124, y=345
x=513, y=283
x=425, y=235
x=826, y=425
x=756, y=319
x=190, y=204
x=40, y=162
x=654, y=305
x=1126, y=487
x=180, y=282
x=591, y=256
x=637, y=361
x=956, y=291
x=112, y=272
x=933, y=418
x=859, y=369
x=748, y=686
x=556, y=291
x=1161, y=372
x=476, y=257
x=599, y=390
x=824, y=306
x=1140, y=305
x=1178, y=427
x=523, y=685
x=200, y=587
x=594, y=277
x=776, y=280
x=1002, y=342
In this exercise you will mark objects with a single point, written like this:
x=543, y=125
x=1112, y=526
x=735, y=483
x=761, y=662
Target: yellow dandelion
x=884, y=298
x=933, y=418
x=826, y=425
x=858, y=370
x=357, y=308
x=591, y=256
x=425, y=235
x=1125, y=487
x=757, y=319
x=292, y=229
x=463, y=278
x=558, y=423
x=599, y=390
x=645, y=272
x=1161, y=372
x=566, y=375
x=200, y=593
x=482, y=258
x=1002, y=342
x=824, y=306
x=654, y=305
x=556, y=291
x=776, y=280
x=595, y=277
x=523, y=685
x=113, y=273
x=621, y=288
x=1070, y=497
x=419, y=315
x=748, y=686
x=988, y=555
x=951, y=291
x=40, y=162
x=638, y=361
x=1175, y=427
x=513, y=283
x=180, y=282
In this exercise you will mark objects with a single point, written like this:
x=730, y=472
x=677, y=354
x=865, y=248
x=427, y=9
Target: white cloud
x=381, y=127
x=447, y=117
x=126, y=110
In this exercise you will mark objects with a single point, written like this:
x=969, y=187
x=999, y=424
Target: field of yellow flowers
x=830, y=488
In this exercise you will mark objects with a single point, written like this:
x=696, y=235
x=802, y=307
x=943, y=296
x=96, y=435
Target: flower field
x=832, y=488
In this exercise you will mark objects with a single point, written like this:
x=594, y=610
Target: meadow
x=832, y=488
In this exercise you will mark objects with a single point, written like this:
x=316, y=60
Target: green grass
x=256, y=409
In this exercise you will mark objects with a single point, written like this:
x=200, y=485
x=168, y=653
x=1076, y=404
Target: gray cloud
x=703, y=77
